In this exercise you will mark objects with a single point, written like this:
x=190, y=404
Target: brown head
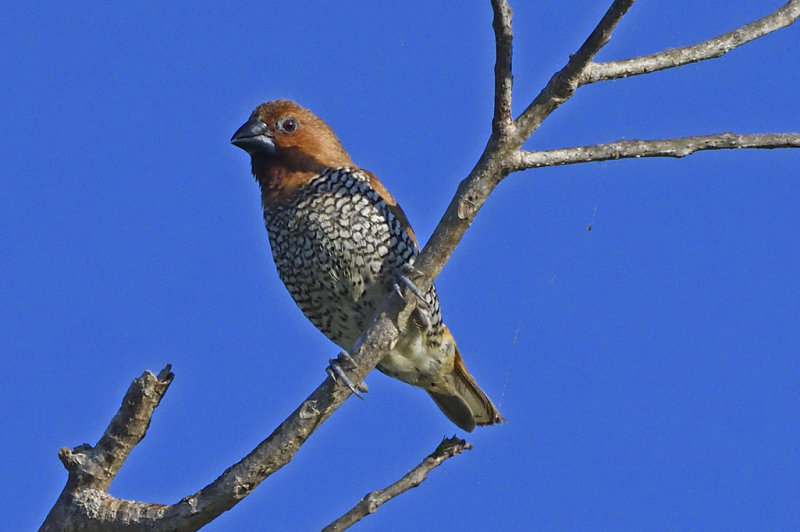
x=288, y=146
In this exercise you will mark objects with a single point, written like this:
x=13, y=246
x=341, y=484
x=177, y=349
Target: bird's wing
x=392, y=204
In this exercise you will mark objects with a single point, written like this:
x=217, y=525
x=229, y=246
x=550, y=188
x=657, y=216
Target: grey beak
x=254, y=137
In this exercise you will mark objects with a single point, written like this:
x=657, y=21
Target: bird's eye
x=287, y=125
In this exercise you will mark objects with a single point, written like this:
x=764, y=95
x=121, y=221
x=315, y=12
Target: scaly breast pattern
x=338, y=249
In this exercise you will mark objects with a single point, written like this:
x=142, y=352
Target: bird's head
x=284, y=133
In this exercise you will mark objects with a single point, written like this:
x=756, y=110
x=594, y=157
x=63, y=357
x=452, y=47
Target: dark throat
x=281, y=177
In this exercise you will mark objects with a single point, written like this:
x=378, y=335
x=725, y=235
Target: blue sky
x=649, y=369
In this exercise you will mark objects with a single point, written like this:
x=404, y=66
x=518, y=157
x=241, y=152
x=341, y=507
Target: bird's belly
x=417, y=361
x=332, y=308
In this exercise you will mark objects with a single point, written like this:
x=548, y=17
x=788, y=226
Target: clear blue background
x=649, y=368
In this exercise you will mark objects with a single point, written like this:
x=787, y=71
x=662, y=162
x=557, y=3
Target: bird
x=340, y=241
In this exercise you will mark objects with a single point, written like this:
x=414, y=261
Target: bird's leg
x=337, y=373
x=410, y=285
x=423, y=309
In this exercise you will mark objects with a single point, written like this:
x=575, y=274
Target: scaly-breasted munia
x=340, y=240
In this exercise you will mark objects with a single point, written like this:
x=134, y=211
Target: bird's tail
x=461, y=399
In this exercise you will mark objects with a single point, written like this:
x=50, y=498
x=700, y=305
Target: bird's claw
x=337, y=374
x=421, y=301
x=423, y=309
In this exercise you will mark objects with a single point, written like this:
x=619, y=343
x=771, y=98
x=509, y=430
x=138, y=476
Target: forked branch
x=91, y=469
x=564, y=83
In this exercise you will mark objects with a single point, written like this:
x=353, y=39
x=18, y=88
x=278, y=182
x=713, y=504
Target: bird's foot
x=402, y=277
x=337, y=373
x=422, y=311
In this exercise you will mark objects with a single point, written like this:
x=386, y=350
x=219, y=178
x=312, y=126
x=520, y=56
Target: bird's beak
x=254, y=137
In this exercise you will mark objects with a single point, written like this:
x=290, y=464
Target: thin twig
x=448, y=448
x=673, y=147
x=712, y=48
x=503, y=80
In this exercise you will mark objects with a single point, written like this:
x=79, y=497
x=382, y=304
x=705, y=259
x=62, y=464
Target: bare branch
x=674, y=147
x=128, y=427
x=712, y=48
x=564, y=83
x=91, y=469
x=503, y=80
x=448, y=448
